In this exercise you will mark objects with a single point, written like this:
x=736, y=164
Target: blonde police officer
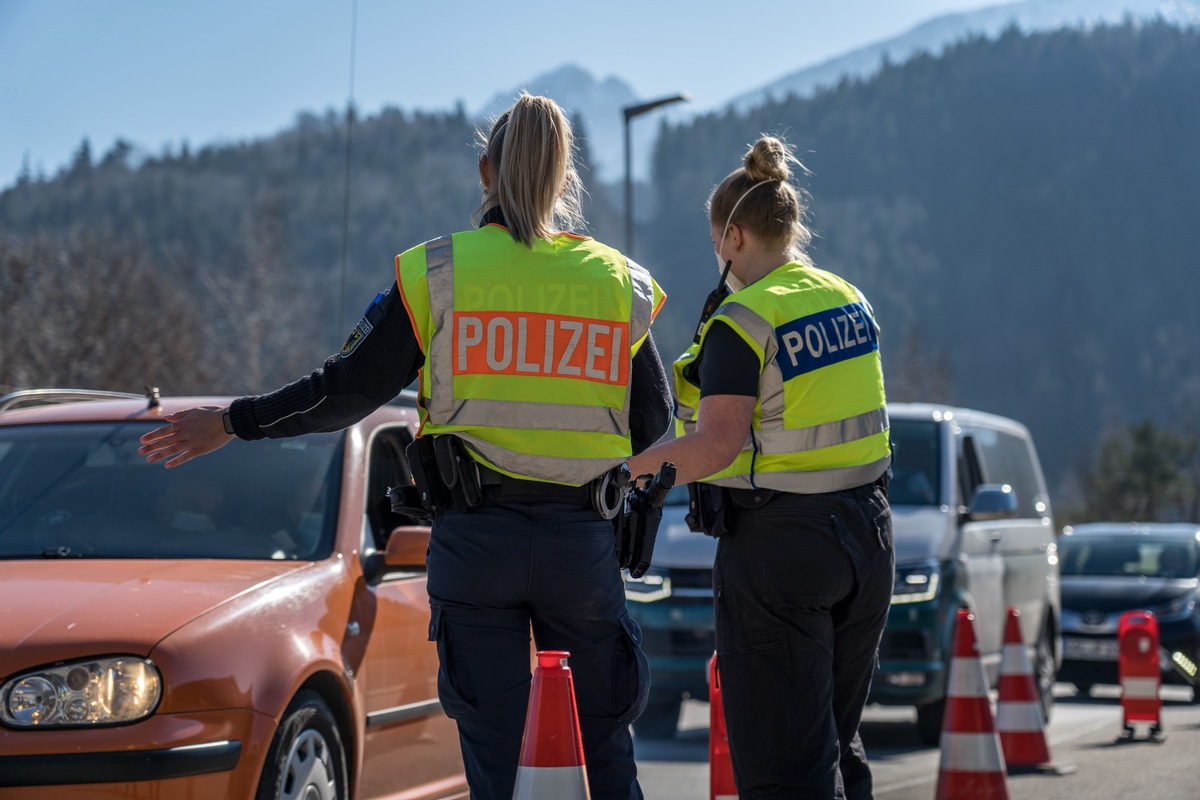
x=782, y=421
x=537, y=369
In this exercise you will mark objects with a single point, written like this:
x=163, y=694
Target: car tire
x=1044, y=670
x=930, y=717
x=661, y=716
x=306, y=758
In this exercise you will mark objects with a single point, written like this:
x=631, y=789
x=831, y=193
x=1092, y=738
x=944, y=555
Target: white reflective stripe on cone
x=1140, y=688
x=1014, y=654
x=967, y=679
x=971, y=752
x=560, y=783
x=1018, y=716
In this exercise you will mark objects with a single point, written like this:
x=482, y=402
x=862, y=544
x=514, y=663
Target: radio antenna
x=346, y=193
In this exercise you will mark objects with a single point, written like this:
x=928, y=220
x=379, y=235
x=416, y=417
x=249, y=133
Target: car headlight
x=1181, y=606
x=650, y=588
x=102, y=691
x=915, y=584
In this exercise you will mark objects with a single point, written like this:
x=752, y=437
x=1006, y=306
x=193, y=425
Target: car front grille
x=904, y=646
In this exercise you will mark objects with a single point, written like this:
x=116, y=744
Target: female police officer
x=538, y=377
x=783, y=420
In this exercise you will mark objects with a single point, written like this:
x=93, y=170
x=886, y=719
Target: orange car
x=250, y=625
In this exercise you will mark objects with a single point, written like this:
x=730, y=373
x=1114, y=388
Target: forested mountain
x=1026, y=208
x=1021, y=211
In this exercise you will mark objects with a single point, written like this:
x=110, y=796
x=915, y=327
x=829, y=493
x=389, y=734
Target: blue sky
x=159, y=73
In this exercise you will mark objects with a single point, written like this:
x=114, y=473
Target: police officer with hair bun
x=783, y=438
x=538, y=379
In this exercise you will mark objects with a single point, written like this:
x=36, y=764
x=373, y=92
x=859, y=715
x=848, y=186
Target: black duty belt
x=757, y=498
x=496, y=487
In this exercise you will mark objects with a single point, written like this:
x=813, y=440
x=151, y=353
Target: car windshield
x=81, y=490
x=916, y=472
x=1127, y=556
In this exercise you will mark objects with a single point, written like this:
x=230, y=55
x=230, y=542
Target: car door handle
x=995, y=537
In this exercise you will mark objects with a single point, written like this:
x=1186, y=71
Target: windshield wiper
x=61, y=551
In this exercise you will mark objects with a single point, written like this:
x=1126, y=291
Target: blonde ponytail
x=531, y=161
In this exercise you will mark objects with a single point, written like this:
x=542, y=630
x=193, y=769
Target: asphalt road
x=1084, y=733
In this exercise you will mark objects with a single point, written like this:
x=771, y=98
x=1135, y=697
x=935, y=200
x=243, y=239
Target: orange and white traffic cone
x=552, y=765
x=1019, y=718
x=972, y=766
x=720, y=765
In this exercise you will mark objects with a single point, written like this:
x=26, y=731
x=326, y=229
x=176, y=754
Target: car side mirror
x=405, y=552
x=993, y=501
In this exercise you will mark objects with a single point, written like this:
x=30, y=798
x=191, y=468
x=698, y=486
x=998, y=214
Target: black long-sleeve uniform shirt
x=376, y=365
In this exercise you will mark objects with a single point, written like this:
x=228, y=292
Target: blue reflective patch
x=824, y=338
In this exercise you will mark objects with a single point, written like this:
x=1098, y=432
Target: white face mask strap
x=729, y=221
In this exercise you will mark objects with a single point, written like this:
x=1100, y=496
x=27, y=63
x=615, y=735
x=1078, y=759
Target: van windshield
x=916, y=465
x=81, y=490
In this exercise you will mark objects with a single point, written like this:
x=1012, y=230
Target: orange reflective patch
x=521, y=343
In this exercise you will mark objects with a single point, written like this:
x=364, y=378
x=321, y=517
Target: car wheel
x=306, y=760
x=1044, y=671
x=929, y=721
x=661, y=716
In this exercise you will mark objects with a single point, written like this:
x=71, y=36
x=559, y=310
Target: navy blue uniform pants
x=495, y=573
x=802, y=586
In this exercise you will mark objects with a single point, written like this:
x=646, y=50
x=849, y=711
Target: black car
x=1109, y=568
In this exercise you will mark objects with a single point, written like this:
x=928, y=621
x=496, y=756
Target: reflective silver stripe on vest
x=816, y=482
x=642, y=307
x=779, y=441
x=559, y=469
x=439, y=275
x=770, y=383
x=445, y=410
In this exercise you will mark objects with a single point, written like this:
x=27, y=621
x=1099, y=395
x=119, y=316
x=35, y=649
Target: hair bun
x=768, y=160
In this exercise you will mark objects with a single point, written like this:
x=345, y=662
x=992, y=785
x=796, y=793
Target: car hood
x=677, y=547
x=1109, y=594
x=920, y=533
x=57, y=609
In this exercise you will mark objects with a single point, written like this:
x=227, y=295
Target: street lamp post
x=631, y=112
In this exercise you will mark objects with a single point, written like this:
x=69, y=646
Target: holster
x=459, y=472
x=406, y=500
x=637, y=525
x=444, y=474
x=708, y=509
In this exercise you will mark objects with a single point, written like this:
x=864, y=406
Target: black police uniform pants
x=802, y=587
x=497, y=570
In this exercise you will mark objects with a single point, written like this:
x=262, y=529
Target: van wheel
x=929, y=722
x=306, y=759
x=1044, y=671
x=661, y=716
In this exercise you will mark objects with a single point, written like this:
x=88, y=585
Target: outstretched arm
x=380, y=358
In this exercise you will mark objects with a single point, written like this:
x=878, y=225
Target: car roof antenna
x=152, y=396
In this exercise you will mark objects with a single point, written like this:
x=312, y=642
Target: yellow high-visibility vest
x=528, y=349
x=820, y=420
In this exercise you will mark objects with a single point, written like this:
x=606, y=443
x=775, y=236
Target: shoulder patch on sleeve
x=370, y=319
